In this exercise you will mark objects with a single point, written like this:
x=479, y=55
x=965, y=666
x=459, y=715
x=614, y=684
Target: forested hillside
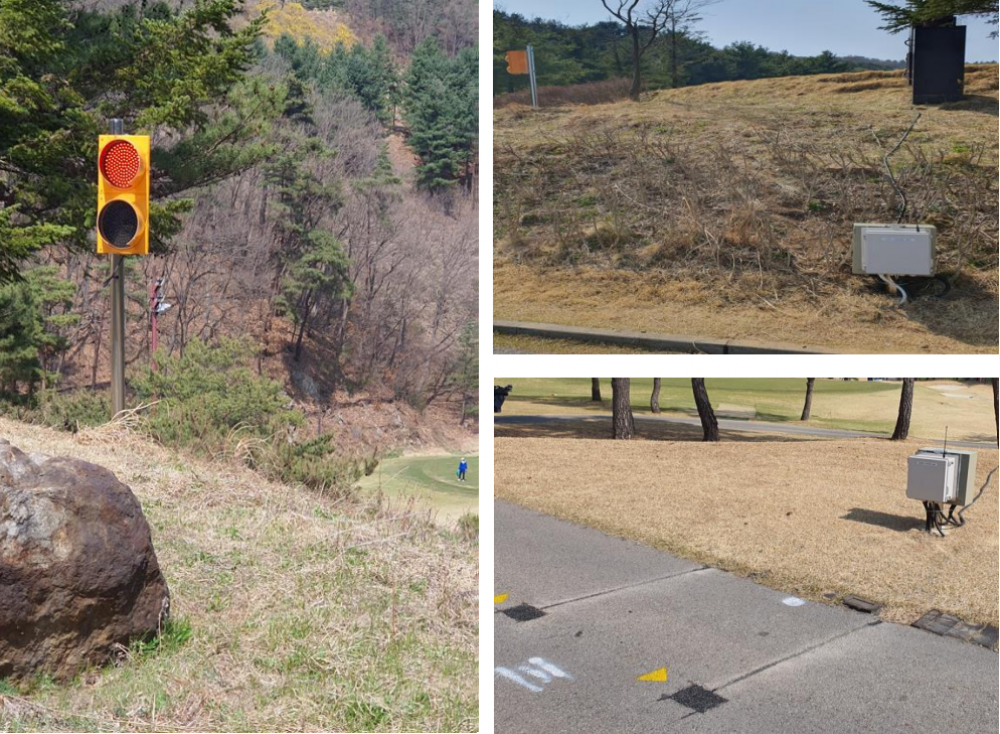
x=313, y=183
x=568, y=55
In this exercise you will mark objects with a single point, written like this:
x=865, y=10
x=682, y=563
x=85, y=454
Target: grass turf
x=431, y=481
x=965, y=410
x=810, y=518
x=305, y=613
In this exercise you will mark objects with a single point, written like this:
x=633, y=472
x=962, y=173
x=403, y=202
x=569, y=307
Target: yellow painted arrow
x=657, y=676
x=500, y=598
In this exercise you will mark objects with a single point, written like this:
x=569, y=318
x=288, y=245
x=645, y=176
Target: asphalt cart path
x=598, y=634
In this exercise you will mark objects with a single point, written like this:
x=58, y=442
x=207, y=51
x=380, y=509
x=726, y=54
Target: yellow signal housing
x=123, y=195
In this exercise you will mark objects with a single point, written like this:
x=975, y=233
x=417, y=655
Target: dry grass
x=602, y=92
x=307, y=614
x=745, y=193
x=661, y=302
x=537, y=345
x=816, y=518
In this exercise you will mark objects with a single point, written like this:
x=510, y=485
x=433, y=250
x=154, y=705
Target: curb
x=654, y=342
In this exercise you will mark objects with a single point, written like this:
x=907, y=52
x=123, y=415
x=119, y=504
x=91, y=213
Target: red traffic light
x=122, y=194
x=120, y=163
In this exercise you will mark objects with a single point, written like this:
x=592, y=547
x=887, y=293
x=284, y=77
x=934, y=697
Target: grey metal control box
x=967, y=468
x=932, y=478
x=895, y=249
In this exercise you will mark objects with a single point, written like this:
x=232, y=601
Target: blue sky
x=802, y=27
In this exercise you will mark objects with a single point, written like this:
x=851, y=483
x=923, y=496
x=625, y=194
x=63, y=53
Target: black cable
x=937, y=521
x=981, y=491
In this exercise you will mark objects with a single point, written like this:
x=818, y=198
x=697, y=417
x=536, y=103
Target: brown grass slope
x=726, y=210
x=306, y=614
x=807, y=517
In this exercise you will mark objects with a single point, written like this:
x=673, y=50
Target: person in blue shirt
x=463, y=467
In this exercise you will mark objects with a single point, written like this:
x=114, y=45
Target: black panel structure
x=937, y=63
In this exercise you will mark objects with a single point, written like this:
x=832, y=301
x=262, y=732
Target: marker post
x=532, y=76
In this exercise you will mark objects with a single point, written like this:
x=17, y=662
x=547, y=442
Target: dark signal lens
x=120, y=163
x=118, y=224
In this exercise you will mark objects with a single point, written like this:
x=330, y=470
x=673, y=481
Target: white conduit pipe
x=896, y=286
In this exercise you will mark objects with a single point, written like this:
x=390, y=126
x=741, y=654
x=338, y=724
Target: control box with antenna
x=942, y=476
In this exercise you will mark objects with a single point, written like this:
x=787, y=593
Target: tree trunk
x=636, y=89
x=97, y=357
x=654, y=400
x=302, y=326
x=709, y=423
x=624, y=423
x=996, y=407
x=902, y=431
x=675, y=79
x=807, y=411
x=595, y=390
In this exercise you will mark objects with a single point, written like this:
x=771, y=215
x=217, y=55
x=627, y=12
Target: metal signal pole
x=117, y=316
x=155, y=298
x=532, y=77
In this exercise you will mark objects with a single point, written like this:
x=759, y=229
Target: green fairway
x=432, y=480
x=856, y=405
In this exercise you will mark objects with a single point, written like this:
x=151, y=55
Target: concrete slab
x=738, y=659
x=708, y=628
x=887, y=678
x=653, y=342
x=541, y=561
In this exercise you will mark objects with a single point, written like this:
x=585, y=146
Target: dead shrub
x=602, y=92
x=765, y=208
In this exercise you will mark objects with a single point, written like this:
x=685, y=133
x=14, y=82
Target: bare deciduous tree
x=643, y=26
x=595, y=389
x=902, y=431
x=681, y=15
x=623, y=420
x=807, y=410
x=709, y=423
x=654, y=399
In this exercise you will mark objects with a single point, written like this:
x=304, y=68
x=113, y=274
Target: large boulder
x=78, y=574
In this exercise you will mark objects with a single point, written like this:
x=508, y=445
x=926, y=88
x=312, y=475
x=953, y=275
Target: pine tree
x=54, y=296
x=441, y=109
x=371, y=75
x=902, y=14
x=65, y=69
x=21, y=330
x=319, y=273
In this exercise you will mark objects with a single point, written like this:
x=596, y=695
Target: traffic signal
x=123, y=195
